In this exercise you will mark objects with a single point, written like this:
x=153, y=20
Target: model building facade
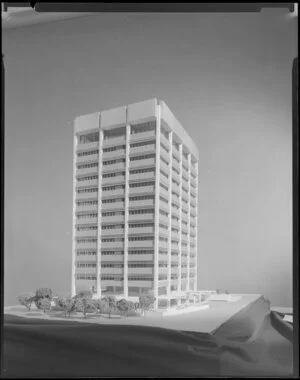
x=135, y=178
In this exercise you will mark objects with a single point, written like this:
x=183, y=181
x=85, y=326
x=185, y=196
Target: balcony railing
x=87, y=171
x=141, y=190
x=112, y=231
x=85, y=221
x=84, y=196
x=86, y=233
x=86, y=259
x=141, y=257
x=118, y=271
x=88, y=158
x=142, y=203
x=112, y=219
x=142, y=176
x=87, y=183
x=164, y=193
x=87, y=208
x=113, y=167
x=113, y=206
x=139, y=283
x=176, y=153
x=141, y=271
x=114, y=141
x=193, y=182
x=114, y=154
x=86, y=245
x=142, y=136
x=140, y=230
x=113, y=193
x=112, y=258
x=148, y=162
x=144, y=149
x=112, y=283
x=164, y=154
x=141, y=217
x=113, y=180
x=165, y=140
x=112, y=245
x=87, y=146
x=141, y=243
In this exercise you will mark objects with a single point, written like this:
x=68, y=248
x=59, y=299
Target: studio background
x=226, y=77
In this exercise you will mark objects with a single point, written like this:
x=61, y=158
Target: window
x=164, y=213
x=141, y=252
x=143, y=157
x=85, y=276
x=88, y=178
x=146, y=143
x=87, y=190
x=109, y=175
x=112, y=162
x=139, y=171
x=142, y=197
x=86, y=253
x=140, y=238
x=140, y=278
x=114, y=148
x=147, y=211
x=131, y=185
x=89, y=138
x=163, y=173
x=82, y=154
x=138, y=225
x=108, y=253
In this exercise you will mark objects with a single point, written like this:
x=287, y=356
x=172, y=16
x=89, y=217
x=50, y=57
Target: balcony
x=86, y=221
x=141, y=217
x=175, y=166
x=164, y=154
x=175, y=259
x=118, y=271
x=112, y=232
x=175, y=235
x=184, y=217
x=113, y=219
x=113, y=193
x=142, y=203
x=112, y=258
x=144, y=149
x=86, y=245
x=162, y=270
x=141, y=244
x=164, y=140
x=87, y=233
x=175, y=188
x=193, y=202
x=175, y=247
x=141, y=284
x=176, y=177
x=185, y=185
x=118, y=283
x=87, y=208
x=147, y=162
x=140, y=136
x=185, y=206
x=142, y=190
x=84, y=284
x=111, y=245
x=141, y=230
x=119, y=153
x=113, y=180
x=87, y=159
x=113, y=167
x=85, y=196
x=88, y=146
x=165, y=168
x=164, y=219
x=184, y=228
x=91, y=271
x=185, y=175
x=141, y=257
x=87, y=171
x=163, y=245
x=176, y=153
x=193, y=171
x=185, y=195
x=175, y=224
x=114, y=141
x=164, y=193
x=193, y=211
x=176, y=201
x=89, y=259
x=113, y=206
x=142, y=176
x=140, y=271
x=87, y=183
x=175, y=212
x=163, y=206
x=193, y=183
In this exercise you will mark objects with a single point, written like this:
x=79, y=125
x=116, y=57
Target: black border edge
x=295, y=217
x=2, y=214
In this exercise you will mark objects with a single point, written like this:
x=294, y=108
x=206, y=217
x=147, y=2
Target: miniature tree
x=100, y=306
x=146, y=301
x=85, y=304
x=45, y=304
x=68, y=304
x=40, y=294
x=111, y=303
x=26, y=300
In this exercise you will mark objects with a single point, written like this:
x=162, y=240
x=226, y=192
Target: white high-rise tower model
x=135, y=189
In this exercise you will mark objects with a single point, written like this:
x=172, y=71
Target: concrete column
x=189, y=218
x=170, y=219
x=127, y=163
x=73, y=284
x=196, y=242
x=180, y=223
x=99, y=214
x=156, y=212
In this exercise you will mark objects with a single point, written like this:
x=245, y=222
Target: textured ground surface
x=253, y=342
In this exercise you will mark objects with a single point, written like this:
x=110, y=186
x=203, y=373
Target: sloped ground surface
x=254, y=342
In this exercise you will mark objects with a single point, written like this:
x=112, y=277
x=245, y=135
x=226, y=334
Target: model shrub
x=26, y=300
x=146, y=301
x=111, y=303
x=45, y=304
